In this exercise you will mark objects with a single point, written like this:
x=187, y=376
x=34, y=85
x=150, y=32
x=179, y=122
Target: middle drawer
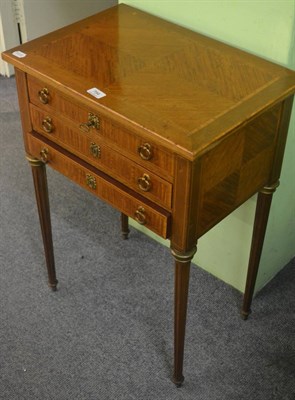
x=91, y=148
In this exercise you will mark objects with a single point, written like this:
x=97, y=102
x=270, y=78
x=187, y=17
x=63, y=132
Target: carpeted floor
x=107, y=332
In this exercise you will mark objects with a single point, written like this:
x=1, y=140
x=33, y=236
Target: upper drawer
x=92, y=148
x=140, y=149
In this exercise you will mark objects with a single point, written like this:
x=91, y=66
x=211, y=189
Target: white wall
x=2, y=47
x=40, y=17
x=8, y=33
x=43, y=16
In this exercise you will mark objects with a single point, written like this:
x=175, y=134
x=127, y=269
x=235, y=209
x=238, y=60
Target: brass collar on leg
x=270, y=189
x=34, y=162
x=183, y=257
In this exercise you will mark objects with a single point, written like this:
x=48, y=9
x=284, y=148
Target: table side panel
x=23, y=99
x=237, y=168
x=186, y=204
x=282, y=138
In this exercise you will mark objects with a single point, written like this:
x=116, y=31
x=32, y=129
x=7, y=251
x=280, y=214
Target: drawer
x=119, y=196
x=140, y=148
x=92, y=148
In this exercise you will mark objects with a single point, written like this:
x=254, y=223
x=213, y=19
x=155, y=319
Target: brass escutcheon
x=144, y=182
x=93, y=122
x=145, y=151
x=47, y=125
x=90, y=181
x=95, y=150
x=140, y=216
x=44, y=153
x=44, y=95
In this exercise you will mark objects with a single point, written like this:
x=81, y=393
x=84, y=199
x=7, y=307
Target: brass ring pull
x=91, y=181
x=95, y=150
x=145, y=151
x=93, y=122
x=44, y=153
x=144, y=182
x=47, y=125
x=140, y=216
x=44, y=95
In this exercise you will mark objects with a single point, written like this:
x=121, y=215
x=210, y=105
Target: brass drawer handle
x=145, y=151
x=93, y=122
x=47, y=125
x=95, y=150
x=44, y=153
x=90, y=181
x=44, y=95
x=144, y=182
x=140, y=216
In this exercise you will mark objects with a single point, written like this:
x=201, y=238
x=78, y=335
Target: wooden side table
x=172, y=128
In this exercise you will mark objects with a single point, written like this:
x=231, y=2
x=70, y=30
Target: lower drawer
x=106, y=188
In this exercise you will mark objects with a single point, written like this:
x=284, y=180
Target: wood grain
x=237, y=168
x=22, y=91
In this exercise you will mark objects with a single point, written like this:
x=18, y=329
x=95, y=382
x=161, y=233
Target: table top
x=185, y=89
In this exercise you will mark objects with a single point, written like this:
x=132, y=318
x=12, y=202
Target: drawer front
x=92, y=148
x=140, y=149
x=104, y=187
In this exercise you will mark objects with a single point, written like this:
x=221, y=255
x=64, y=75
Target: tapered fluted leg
x=261, y=217
x=41, y=192
x=182, y=271
x=124, y=226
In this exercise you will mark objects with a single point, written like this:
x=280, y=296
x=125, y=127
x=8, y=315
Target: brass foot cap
x=178, y=381
x=125, y=232
x=245, y=314
x=53, y=286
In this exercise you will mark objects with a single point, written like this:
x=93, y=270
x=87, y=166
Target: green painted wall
x=267, y=29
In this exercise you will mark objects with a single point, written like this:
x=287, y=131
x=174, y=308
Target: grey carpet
x=107, y=332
